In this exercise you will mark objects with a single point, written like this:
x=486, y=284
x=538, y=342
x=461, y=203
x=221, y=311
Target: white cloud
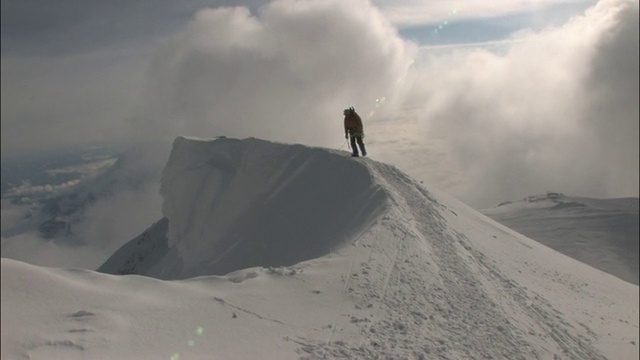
x=283, y=75
x=29, y=247
x=99, y=231
x=27, y=189
x=556, y=112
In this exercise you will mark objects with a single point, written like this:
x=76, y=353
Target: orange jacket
x=352, y=123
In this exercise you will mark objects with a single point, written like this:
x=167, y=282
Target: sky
x=521, y=96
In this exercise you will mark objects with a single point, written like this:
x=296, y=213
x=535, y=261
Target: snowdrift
x=350, y=259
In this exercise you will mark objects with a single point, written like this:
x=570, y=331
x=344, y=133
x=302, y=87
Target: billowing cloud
x=285, y=74
x=557, y=110
x=612, y=113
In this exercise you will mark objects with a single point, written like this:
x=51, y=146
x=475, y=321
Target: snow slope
x=600, y=232
x=400, y=273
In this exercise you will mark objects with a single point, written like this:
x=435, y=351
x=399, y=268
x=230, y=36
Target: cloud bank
x=556, y=110
x=552, y=110
x=99, y=231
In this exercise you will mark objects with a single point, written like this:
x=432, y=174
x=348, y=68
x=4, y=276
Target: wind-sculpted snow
x=381, y=269
x=233, y=204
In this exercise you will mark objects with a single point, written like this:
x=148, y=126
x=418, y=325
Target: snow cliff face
x=233, y=204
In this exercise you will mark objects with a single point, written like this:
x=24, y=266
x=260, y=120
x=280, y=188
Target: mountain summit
x=233, y=204
x=291, y=252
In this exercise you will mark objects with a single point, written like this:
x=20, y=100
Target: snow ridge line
x=462, y=325
x=392, y=266
x=460, y=283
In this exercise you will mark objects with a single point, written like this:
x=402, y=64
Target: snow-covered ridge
x=233, y=204
x=559, y=201
x=600, y=232
x=379, y=268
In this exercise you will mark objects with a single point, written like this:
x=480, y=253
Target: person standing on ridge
x=353, y=128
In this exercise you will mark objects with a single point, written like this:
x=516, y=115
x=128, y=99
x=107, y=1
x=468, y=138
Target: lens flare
x=377, y=103
x=190, y=343
x=445, y=23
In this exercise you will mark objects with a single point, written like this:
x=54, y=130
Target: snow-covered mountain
x=600, y=232
x=236, y=204
x=330, y=258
